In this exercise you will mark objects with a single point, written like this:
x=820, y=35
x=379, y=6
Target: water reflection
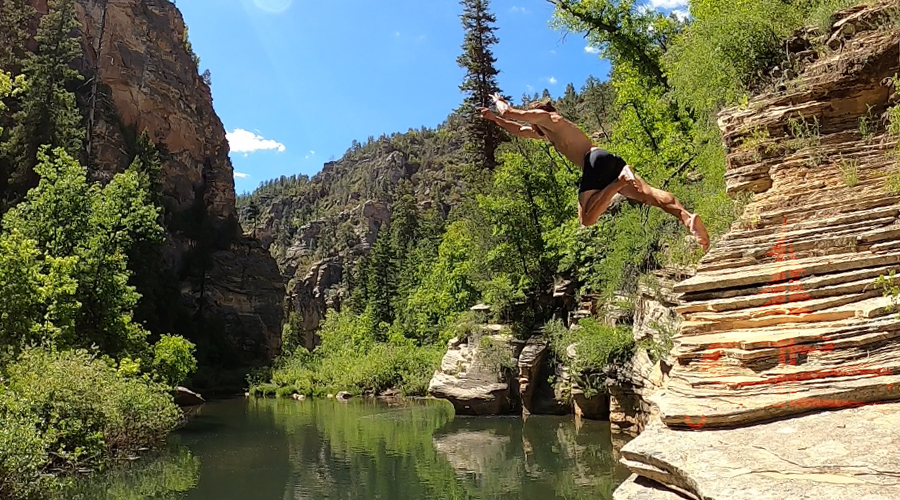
x=282, y=450
x=160, y=477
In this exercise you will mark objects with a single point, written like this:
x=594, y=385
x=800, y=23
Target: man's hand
x=502, y=106
x=486, y=114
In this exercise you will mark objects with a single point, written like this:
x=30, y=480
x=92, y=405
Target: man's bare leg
x=592, y=204
x=639, y=190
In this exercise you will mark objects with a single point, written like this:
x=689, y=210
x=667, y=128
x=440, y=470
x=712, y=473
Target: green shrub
x=22, y=451
x=597, y=347
x=84, y=409
x=357, y=365
x=495, y=355
x=729, y=43
x=173, y=359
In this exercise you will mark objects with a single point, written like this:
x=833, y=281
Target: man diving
x=603, y=174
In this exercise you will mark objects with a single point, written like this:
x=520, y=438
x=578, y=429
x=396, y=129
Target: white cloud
x=553, y=52
x=241, y=175
x=519, y=10
x=551, y=80
x=244, y=141
x=591, y=50
x=667, y=4
x=311, y=153
x=397, y=33
x=679, y=14
x=529, y=87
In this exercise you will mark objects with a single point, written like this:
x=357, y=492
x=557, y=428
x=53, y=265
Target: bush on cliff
x=596, y=347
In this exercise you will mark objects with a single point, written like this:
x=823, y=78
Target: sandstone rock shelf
x=852, y=453
x=788, y=355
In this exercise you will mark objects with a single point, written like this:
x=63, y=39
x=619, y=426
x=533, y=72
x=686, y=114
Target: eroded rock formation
x=141, y=77
x=783, y=317
x=470, y=382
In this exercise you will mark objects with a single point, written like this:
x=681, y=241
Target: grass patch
x=868, y=125
x=849, y=171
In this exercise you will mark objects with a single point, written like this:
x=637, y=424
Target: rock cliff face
x=784, y=318
x=141, y=77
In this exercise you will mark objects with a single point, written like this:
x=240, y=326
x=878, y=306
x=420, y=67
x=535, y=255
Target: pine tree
x=14, y=18
x=482, y=137
x=568, y=103
x=48, y=113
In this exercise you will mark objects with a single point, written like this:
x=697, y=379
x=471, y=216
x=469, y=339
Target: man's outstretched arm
x=517, y=129
x=535, y=116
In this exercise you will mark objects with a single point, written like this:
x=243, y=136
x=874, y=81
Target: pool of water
x=365, y=449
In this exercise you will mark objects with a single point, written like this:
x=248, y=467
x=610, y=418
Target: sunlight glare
x=273, y=6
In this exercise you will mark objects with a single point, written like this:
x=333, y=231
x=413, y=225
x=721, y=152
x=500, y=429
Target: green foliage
x=351, y=359
x=292, y=333
x=596, y=347
x=495, y=355
x=623, y=33
x=47, y=112
x=480, y=81
x=868, y=125
x=83, y=408
x=728, y=43
x=890, y=288
x=849, y=171
x=821, y=12
x=73, y=238
x=173, y=359
x=15, y=16
x=22, y=451
x=186, y=43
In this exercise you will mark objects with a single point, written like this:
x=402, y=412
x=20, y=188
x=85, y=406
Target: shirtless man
x=603, y=174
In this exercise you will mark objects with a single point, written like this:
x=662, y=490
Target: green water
x=292, y=450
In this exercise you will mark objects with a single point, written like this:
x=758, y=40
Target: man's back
x=567, y=138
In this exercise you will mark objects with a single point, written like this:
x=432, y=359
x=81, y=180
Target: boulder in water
x=185, y=397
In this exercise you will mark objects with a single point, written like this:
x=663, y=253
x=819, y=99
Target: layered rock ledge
x=784, y=317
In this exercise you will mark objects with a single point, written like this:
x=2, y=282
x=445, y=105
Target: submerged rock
x=185, y=397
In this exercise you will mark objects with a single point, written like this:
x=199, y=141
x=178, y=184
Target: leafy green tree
x=596, y=106
x=48, y=114
x=621, y=31
x=82, y=234
x=480, y=81
x=173, y=359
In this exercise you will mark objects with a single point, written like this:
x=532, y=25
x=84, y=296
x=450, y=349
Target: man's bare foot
x=699, y=231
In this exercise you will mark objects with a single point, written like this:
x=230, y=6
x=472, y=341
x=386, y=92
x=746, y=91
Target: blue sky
x=295, y=81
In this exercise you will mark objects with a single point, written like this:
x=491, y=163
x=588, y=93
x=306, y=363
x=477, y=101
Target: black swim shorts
x=601, y=168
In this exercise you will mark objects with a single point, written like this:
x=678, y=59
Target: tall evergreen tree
x=14, y=18
x=48, y=113
x=482, y=137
